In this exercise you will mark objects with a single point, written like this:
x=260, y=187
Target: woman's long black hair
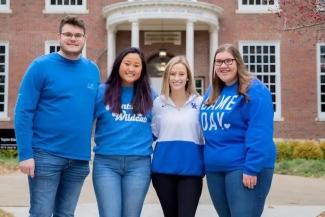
x=142, y=98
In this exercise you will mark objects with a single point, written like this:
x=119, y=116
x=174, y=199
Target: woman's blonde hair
x=189, y=87
x=244, y=76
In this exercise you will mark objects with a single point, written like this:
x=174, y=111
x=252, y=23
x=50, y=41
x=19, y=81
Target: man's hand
x=249, y=181
x=27, y=167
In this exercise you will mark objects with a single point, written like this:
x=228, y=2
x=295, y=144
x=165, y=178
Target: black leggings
x=178, y=195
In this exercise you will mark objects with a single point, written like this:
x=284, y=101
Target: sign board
x=7, y=139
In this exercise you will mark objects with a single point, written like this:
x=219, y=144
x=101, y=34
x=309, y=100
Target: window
x=263, y=60
x=4, y=54
x=66, y=6
x=321, y=81
x=5, y=6
x=54, y=46
x=257, y=6
x=51, y=46
x=199, y=85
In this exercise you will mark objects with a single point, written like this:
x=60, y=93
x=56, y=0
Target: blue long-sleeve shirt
x=239, y=134
x=55, y=107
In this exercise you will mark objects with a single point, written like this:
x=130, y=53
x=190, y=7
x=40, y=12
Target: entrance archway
x=156, y=66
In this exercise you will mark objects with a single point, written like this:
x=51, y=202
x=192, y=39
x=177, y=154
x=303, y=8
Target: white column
x=213, y=43
x=190, y=43
x=134, y=33
x=111, y=48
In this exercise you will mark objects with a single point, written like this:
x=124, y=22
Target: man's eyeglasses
x=70, y=35
x=226, y=61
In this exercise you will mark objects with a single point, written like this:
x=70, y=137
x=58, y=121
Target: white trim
x=277, y=113
x=5, y=9
x=320, y=115
x=121, y=12
x=62, y=9
x=257, y=9
x=4, y=115
x=49, y=43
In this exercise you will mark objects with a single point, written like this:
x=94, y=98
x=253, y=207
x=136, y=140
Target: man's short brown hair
x=74, y=21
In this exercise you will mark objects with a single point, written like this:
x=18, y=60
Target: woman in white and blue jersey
x=177, y=164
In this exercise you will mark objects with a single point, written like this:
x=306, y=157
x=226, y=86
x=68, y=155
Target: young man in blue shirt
x=53, y=122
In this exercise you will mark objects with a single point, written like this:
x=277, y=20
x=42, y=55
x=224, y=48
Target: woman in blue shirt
x=121, y=171
x=237, y=121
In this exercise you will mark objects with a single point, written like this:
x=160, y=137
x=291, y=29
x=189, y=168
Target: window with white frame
x=321, y=81
x=4, y=50
x=257, y=6
x=5, y=6
x=263, y=60
x=66, y=6
x=199, y=85
x=54, y=46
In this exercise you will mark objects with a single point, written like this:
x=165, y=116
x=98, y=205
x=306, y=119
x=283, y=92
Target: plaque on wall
x=7, y=139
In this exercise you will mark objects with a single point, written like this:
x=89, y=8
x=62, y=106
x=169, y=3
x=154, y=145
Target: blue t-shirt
x=55, y=107
x=239, y=134
x=125, y=133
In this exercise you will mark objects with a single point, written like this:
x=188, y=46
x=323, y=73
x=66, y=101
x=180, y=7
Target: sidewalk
x=290, y=196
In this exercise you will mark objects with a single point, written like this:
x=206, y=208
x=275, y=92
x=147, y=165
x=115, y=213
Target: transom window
x=5, y=6
x=262, y=59
x=257, y=6
x=321, y=80
x=4, y=50
x=66, y=6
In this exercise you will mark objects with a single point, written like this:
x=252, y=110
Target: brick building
x=292, y=65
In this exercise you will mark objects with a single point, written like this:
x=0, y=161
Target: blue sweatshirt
x=121, y=134
x=55, y=107
x=239, y=134
x=179, y=147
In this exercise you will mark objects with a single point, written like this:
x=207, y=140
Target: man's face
x=72, y=40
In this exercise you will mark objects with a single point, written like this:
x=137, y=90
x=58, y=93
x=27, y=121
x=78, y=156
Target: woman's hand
x=249, y=181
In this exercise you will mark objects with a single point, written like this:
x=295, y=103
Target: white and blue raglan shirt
x=239, y=134
x=55, y=107
x=122, y=133
x=179, y=147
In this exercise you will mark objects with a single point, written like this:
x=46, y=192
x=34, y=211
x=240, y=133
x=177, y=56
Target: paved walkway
x=290, y=196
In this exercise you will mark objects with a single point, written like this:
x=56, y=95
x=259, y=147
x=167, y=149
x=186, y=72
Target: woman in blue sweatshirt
x=237, y=123
x=121, y=171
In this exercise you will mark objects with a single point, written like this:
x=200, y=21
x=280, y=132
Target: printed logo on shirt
x=212, y=117
x=91, y=86
x=127, y=116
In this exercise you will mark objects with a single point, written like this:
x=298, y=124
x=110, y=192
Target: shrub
x=322, y=147
x=5, y=214
x=307, y=149
x=8, y=153
x=284, y=150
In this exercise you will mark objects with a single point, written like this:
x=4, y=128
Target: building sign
x=7, y=139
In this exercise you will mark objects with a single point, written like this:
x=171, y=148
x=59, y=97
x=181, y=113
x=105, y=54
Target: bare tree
x=303, y=15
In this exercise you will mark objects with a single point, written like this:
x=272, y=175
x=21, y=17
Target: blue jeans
x=121, y=184
x=232, y=199
x=56, y=186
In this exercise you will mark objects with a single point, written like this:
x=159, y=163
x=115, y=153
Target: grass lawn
x=296, y=167
x=301, y=167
